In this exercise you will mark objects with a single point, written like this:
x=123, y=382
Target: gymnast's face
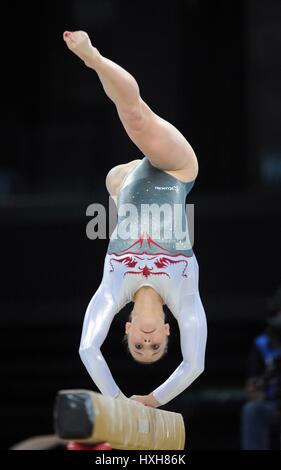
x=147, y=336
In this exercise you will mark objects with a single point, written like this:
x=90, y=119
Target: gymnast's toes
x=74, y=37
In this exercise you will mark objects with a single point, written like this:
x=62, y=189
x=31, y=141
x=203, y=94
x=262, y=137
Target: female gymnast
x=149, y=270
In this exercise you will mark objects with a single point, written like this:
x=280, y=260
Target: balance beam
x=88, y=417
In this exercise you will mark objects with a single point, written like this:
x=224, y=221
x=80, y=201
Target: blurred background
x=213, y=70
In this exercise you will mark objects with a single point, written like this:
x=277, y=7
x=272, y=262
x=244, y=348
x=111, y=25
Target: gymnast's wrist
x=121, y=395
x=154, y=402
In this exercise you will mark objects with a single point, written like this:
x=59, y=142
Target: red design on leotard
x=133, y=260
x=129, y=261
x=145, y=237
x=165, y=261
x=146, y=271
x=158, y=263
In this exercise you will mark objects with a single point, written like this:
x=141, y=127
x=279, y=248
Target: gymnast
x=147, y=269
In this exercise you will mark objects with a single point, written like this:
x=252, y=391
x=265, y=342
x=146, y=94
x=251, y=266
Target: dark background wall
x=213, y=70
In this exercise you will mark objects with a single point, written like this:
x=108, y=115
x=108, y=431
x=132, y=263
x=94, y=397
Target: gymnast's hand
x=147, y=400
x=79, y=43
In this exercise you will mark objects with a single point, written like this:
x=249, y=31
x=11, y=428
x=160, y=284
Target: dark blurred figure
x=261, y=415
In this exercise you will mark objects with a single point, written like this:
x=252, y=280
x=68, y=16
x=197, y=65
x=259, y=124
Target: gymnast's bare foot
x=79, y=43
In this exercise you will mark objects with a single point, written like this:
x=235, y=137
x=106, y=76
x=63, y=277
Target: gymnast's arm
x=160, y=141
x=98, y=318
x=193, y=335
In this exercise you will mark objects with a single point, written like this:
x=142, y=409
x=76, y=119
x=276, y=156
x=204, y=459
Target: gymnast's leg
x=159, y=140
x=119, y=85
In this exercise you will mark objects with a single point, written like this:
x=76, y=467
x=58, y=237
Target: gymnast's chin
x=146, y=332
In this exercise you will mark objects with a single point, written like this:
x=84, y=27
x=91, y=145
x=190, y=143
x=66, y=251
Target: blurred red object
x=78, y=446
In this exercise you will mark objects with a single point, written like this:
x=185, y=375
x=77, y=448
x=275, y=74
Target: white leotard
x=175, y=278
x=170, y=268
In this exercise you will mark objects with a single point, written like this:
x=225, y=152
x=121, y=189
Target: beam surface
x=89, y=417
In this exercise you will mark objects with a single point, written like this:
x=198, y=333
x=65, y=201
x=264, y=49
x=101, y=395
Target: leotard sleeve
x=193, y=335
x=98, y=318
